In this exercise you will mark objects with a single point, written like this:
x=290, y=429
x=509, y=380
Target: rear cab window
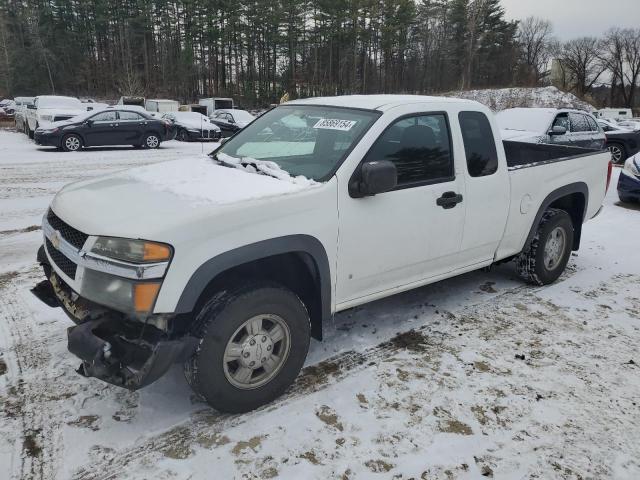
x=479, y=144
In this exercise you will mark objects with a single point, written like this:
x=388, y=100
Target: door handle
x=449, y=200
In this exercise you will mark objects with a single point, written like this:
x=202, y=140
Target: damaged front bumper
x=129, y=353
x=125, y=358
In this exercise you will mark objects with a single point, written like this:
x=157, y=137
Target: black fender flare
x=213, y=267
x=578, y=187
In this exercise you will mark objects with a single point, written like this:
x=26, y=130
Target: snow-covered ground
x=503, y=98
x=477, y=375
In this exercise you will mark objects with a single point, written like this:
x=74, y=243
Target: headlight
x=135, y=251
x=193, y=130
x=631, y=166
x=48, y=130
x=121, y=294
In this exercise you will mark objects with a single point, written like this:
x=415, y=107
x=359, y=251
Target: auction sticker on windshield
x=335, y=124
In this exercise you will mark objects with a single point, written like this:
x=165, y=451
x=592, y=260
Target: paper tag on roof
x=335, y=124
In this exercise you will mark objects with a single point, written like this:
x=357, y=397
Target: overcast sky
x=577, y=18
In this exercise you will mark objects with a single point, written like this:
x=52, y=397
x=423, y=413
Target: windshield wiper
x=256, y=164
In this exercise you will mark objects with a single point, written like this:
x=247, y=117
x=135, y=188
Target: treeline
x=256, y=50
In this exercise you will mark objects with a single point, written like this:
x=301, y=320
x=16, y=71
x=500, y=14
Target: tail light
x=609, y=172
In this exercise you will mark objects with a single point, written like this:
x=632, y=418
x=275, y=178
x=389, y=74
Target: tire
x=618, y=153
x=71, y=143
x=225, y=385
x=151, y=141
x=182, y=136
x=625, y=199
x=30, y=133
x=549, y=250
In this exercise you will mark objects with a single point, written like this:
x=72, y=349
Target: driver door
x=102, y=130
x=396, y=239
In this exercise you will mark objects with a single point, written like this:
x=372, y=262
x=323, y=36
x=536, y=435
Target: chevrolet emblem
x=55, y=239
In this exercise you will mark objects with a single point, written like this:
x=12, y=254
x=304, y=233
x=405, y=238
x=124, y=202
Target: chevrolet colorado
x=231, y=262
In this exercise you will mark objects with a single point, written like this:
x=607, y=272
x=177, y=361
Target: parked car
x=8, y=105
x=622, y=142
x=553, y=126
x=216, y=103
x=192, y=126
x=4, y=115
x=21, y=112
x=629, y=181
x=231, y=120
x=47, y=109
x=113, y=126
x=241, y=261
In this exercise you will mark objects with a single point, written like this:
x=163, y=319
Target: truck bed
x=525, y=154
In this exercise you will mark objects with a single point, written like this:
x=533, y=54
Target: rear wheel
x=71, y=143
x=182, y=136
x=549, y=250
x=618, y=153
x=253, y=344
x=152, y=141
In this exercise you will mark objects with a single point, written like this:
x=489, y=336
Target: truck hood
x=152, y=202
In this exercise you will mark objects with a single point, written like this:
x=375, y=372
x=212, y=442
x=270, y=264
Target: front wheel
x=152, y=141
x=549, y=250
x=253, y=344
x=618, y=153
x=71, y=143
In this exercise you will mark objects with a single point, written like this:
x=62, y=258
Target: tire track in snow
x=26, y=400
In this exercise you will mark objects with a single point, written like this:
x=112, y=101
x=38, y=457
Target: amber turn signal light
x=144, y=296
x=155, y=252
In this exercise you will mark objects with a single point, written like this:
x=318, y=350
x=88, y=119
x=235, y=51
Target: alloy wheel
x=256, y=352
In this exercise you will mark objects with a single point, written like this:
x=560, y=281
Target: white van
x=615, y=113
x=162, y=106
x=216, y=103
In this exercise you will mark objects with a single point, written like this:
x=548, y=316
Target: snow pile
x=201, y=180
x=272, y=169
x=501, y=99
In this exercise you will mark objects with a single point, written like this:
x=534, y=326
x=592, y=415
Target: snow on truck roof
x=376, y=102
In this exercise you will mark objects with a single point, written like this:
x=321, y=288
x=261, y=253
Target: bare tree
x=620, y=55
x=535, y=38
x=581, y=65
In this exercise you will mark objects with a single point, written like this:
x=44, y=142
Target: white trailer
x=216, y=103
x=162, y=106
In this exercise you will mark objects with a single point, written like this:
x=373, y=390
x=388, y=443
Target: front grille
x=70, y=234
x=67, y=266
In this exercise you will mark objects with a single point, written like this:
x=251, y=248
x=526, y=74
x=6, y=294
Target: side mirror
x=558, y=130
x=375, y=177
x=89, y=123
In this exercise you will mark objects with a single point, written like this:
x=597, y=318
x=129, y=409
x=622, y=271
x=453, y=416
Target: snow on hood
x=252, y=165
x=202, y=181
x=519, y=134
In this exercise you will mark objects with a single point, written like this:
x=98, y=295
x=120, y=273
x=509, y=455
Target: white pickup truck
x=47, y=109
x=231, y=262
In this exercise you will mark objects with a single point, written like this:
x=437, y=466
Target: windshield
x=60, y=102
x=302, y=140
x=242, y=116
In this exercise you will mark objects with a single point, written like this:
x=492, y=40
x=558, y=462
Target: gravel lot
x=475, y=376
